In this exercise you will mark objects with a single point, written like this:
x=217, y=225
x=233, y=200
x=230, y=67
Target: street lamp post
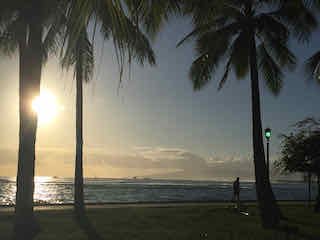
x=267, y=132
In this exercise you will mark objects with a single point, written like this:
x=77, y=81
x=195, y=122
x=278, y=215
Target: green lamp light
x=268, y=133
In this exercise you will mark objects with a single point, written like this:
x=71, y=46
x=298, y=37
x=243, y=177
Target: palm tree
x=83, y=59
x=253, y=41
x=31, y=27
x=129, y=42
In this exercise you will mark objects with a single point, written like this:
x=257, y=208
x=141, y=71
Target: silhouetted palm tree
x=130, y=43
x=30, y=27
x=252, y=40
x=83, y=59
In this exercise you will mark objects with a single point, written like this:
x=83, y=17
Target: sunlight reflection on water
x=8, y=194
x=45, y=193
x=54, y=190
x=46, y=190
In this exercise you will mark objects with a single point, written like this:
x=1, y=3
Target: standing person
x=236, y=191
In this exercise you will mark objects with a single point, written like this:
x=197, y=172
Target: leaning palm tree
x=129, y=43
x=252, y=41
x=31, y=28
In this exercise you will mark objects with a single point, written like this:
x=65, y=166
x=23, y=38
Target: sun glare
x=46, y=107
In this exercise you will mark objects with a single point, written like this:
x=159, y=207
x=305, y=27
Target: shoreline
x=67, y=206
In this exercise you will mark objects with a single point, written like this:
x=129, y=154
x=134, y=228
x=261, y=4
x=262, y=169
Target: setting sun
x=46, y=107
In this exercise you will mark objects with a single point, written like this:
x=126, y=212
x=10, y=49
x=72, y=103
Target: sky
x=155, y=125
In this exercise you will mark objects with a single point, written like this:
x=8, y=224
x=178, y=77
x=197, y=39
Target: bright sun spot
x=46, y=107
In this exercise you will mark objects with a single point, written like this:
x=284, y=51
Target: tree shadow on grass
x=293, y=232
x=86, y=225
x=293, y=221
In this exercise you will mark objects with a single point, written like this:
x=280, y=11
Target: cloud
x=142, y=161
x=236, y=166
x=159, y=153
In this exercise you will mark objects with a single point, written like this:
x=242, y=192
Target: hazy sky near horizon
x=155, y=125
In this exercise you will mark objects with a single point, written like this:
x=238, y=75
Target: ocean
x=54, y=190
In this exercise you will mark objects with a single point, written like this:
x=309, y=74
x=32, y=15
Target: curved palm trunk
x=269, y=210
x=78, y=181
x=25, y=225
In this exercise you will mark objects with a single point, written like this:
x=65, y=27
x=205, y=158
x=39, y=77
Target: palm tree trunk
x=269, y=209
x=309, y=188
x=25, y=225
x=78, y=182
x=317, y=206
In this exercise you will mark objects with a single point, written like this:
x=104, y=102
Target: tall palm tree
x=29, y=27
x=83, y=60
x=32, y=28
x=129, y=43
x=252, y=40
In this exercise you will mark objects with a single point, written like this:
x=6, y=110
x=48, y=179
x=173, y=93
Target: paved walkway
x=157, y=205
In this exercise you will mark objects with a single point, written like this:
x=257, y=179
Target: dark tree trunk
x=309, y=188
x=25, y=225
x=78, y=181
x=269, y=209
x=317, y=206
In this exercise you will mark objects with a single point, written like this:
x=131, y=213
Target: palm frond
x=201, y=70
x=86, y=50
x=298, y=15
x=110, y=16
x=275, y=38
x=201, y=11
x=82, y=55
x=281, y=54
x=312, y=67
x=53, y=38
x=10, y=36
x=8, y=44
x=206, y=11
x=270, y=70
x=225, y=75
x=211, y=47
x=152, y=14
x=214, y=25
x=240, y=55
x=198, y=30
x=272, y=28
x=78, y=14
x=138, y=45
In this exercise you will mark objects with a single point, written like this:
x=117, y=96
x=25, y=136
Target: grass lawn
x=160, y=223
